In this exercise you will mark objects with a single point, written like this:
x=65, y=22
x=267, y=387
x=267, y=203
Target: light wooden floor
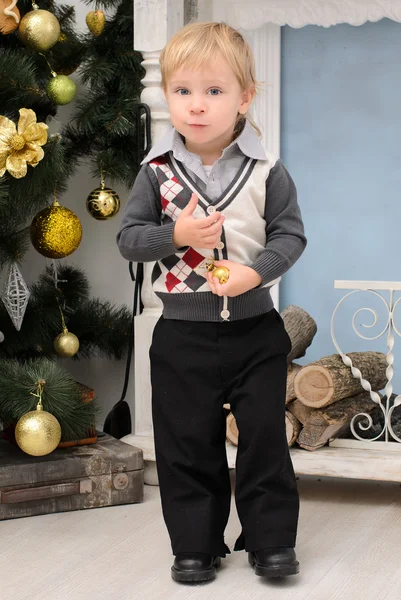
x=349, y=547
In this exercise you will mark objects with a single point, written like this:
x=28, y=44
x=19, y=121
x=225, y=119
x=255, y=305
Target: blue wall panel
x=341, y=141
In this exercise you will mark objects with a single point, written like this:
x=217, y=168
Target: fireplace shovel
x=118, y=421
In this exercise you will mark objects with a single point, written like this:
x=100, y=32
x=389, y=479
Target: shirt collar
x=248, y=142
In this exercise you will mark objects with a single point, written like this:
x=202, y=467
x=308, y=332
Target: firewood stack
x=322, y=397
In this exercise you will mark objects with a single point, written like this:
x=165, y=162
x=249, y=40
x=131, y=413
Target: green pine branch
x=102, y=328
x=73, y=286
x=66, y=56
x=111, y=73
x=20, y=85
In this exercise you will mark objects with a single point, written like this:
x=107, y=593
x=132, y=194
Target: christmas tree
x=56, y=316
x=105, y=125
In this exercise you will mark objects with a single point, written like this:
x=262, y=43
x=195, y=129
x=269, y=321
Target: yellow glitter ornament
x=95, y=21
x=103, y=203
x=38, y=432
x=56, y=231
x=61, y=89
x=21, y=145
x=39, y=29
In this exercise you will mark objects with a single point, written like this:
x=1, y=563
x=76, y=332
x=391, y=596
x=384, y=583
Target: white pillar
x=155, y=22
x=265, y=110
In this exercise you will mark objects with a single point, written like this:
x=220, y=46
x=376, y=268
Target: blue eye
x=182, y=90
x=214, y=92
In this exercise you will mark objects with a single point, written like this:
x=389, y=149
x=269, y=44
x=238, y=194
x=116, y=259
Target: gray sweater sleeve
x=285, y=239
x=142, y=238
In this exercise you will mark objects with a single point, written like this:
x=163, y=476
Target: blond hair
x=197, y=43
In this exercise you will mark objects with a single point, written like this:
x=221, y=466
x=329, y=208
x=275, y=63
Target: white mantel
x=298, y=13
x=155, y=21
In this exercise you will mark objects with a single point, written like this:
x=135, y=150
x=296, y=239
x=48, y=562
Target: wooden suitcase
x=106, y=473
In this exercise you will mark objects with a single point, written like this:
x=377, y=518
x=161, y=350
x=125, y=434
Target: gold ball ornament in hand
x=95, y=21
x=103, y=203
x=56, y=231
x=38, y=432
x=61, y=89
x=222, y=274
x=39, y=29
x=66, y=344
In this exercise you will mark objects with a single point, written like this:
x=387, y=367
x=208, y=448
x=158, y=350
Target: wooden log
x=328, y=380
x=292, y=370
x=344, y=410
x=300, y=411
x=232, y=429
x=301, y=328
x=313, y=437
x=340, y=412
x=292, y=427
x=320, y=425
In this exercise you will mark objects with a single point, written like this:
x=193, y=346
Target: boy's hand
x=241, y=280
x=198, y=233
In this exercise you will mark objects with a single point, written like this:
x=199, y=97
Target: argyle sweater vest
x=176, y=280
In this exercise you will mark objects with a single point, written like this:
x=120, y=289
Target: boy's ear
x=246, y=101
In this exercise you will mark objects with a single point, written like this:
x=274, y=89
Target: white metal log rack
x=391, y=441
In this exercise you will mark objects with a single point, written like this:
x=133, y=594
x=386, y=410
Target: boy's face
x=204, y=104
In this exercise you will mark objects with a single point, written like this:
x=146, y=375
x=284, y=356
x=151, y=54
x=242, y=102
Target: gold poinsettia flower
x=21, y=146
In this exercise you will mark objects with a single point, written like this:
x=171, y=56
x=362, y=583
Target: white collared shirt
x=224, y=169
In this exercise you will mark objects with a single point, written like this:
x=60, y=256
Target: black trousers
x=196, y=367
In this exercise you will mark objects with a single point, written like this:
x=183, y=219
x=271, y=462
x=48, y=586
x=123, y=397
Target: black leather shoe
x=194, y=566
x=274, y=562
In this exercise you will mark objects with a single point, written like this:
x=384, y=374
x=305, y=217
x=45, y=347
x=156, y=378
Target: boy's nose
x=197, y=110
x=197, y=106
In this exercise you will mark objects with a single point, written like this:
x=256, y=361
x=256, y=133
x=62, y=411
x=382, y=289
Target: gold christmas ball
x=8, y=23
x=56, y=231
x=103, y=203
x=66, y=344
x=95, y=21
x=222, y=274
x=38, y=432
x=61, y=89
x=39, y=29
